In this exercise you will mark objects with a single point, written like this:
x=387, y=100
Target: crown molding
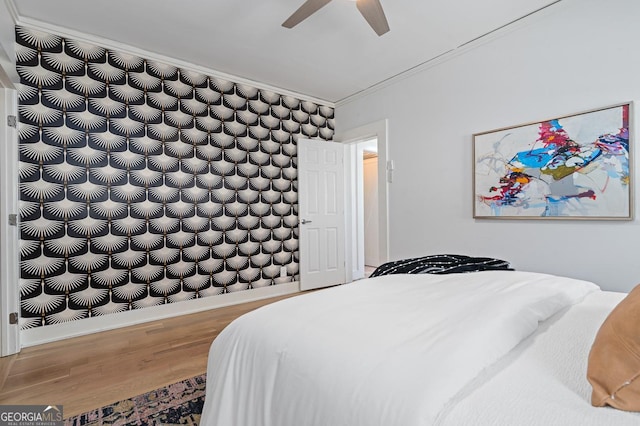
x=457, y=51
x=132, y=50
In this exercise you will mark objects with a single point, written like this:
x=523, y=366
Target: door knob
x=305, y=221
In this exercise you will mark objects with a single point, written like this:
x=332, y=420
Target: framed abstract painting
x=572, y=167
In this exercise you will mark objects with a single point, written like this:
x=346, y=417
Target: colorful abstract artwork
x=573, y=167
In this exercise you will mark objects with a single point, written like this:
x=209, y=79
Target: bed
x=494, y=347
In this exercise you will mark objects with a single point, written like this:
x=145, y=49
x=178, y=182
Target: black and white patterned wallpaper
x=143, y=184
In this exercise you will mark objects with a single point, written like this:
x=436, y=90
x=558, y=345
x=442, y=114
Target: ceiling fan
x=370, y=9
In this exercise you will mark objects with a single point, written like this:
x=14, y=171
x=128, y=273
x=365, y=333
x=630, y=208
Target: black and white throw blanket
x=441, y=264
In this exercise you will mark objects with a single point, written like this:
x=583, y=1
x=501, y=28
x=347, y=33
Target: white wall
x=575, y=56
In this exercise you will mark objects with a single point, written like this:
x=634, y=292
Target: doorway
x=369, y=138
x=367, y=207
x=370, y=208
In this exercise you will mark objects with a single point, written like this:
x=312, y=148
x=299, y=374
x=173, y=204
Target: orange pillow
x=614, y=360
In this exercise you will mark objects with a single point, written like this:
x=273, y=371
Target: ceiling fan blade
x=307, y=9
x=373, y=13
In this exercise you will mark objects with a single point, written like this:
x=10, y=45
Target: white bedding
x=393, y=350
x=543, y=381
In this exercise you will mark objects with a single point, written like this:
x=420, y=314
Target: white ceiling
x=331, y=56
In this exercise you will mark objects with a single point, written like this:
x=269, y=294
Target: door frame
x=9, y=237
x=350, y=137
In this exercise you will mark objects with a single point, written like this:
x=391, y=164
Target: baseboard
x=55, y=332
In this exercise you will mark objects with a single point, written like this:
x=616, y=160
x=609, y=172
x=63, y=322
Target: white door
x=321, y=213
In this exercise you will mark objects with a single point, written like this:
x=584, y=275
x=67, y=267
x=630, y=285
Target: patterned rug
x=177, y=404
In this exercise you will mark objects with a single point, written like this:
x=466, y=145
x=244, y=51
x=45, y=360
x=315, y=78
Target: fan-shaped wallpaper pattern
x=143, y=184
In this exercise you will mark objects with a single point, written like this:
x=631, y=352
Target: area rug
x=177, y=404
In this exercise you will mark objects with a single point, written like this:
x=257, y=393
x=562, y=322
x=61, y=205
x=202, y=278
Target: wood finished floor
x=368, y=270
x=91, y=371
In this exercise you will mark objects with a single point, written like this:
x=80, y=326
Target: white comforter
x=392, y=350
x=543, y=381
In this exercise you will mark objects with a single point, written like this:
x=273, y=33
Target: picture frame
x=575, y=166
